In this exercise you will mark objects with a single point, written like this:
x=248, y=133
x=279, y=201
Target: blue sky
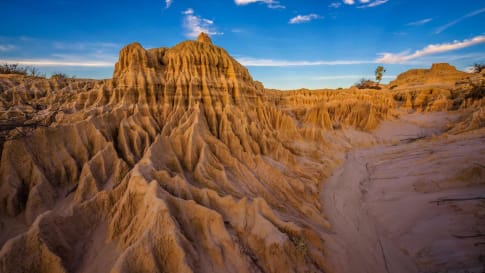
x=285, y=44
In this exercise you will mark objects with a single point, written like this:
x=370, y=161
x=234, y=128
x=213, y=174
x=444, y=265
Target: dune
x=183, y=163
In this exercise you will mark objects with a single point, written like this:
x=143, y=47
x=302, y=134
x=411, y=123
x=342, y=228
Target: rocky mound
x=440, y=73
x=180, y=163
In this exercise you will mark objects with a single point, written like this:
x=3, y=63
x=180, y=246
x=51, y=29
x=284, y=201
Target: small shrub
x=367, y=84
x=300, y=244
x=13, y=69
x=21, y=70
x=62, y=76
x=477, y=92
x=59, y=76
x=34, y=72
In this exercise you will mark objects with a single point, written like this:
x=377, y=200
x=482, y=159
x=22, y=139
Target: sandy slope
x=381, y=202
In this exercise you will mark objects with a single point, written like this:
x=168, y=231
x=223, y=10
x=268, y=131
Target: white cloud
x=168, y=3
x=273, y=4
x=365, y=3
x=335, y=5
x=195, y=25
x=5, y=48
x=303, y=18
x=246, y=61
x=420, y=22
x=188, y=11
x=406, y=56
x=454, y=22
x=373, y=4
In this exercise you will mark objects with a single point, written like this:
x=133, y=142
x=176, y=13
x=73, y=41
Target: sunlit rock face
x=439, y=73
x=177, y=164
x=180, y=163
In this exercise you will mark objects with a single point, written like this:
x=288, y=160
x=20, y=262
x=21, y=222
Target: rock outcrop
x=439, y=73
x=180, y=163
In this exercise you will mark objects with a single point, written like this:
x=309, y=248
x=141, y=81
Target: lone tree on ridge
x=380, y=70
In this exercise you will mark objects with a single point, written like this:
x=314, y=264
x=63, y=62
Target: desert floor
x=384, y=201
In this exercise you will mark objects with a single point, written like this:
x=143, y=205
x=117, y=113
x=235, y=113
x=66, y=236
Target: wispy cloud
x=420, y=22
x=335, y=5
x=454, y=22
x=273, y=4
x=373, y=4
x=168, y=3
x=364, y=3
x=247, y=61
x=7, y=47
x=195, y=25
x=304, y=18
x=406, y=56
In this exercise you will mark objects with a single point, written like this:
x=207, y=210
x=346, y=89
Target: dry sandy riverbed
x=384, y=201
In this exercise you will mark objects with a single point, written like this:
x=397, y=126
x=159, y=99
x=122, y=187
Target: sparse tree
x=477, y=68
x=13, y=69
x=34, y=72
x=380, y=70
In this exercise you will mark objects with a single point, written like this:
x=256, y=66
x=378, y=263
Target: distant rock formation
x=180, y=163
x=440, y=73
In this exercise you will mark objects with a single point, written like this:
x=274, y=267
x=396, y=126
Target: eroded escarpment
x=180, y=163
x=176, y=165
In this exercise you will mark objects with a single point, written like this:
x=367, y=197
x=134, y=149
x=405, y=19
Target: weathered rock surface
x=180, y=163
x=440, y=73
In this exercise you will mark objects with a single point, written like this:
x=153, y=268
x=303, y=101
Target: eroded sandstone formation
x=180, y=163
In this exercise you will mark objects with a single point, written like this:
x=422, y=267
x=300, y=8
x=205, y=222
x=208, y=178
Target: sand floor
x=384, y=201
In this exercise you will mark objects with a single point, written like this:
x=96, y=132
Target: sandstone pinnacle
x=204, y=38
